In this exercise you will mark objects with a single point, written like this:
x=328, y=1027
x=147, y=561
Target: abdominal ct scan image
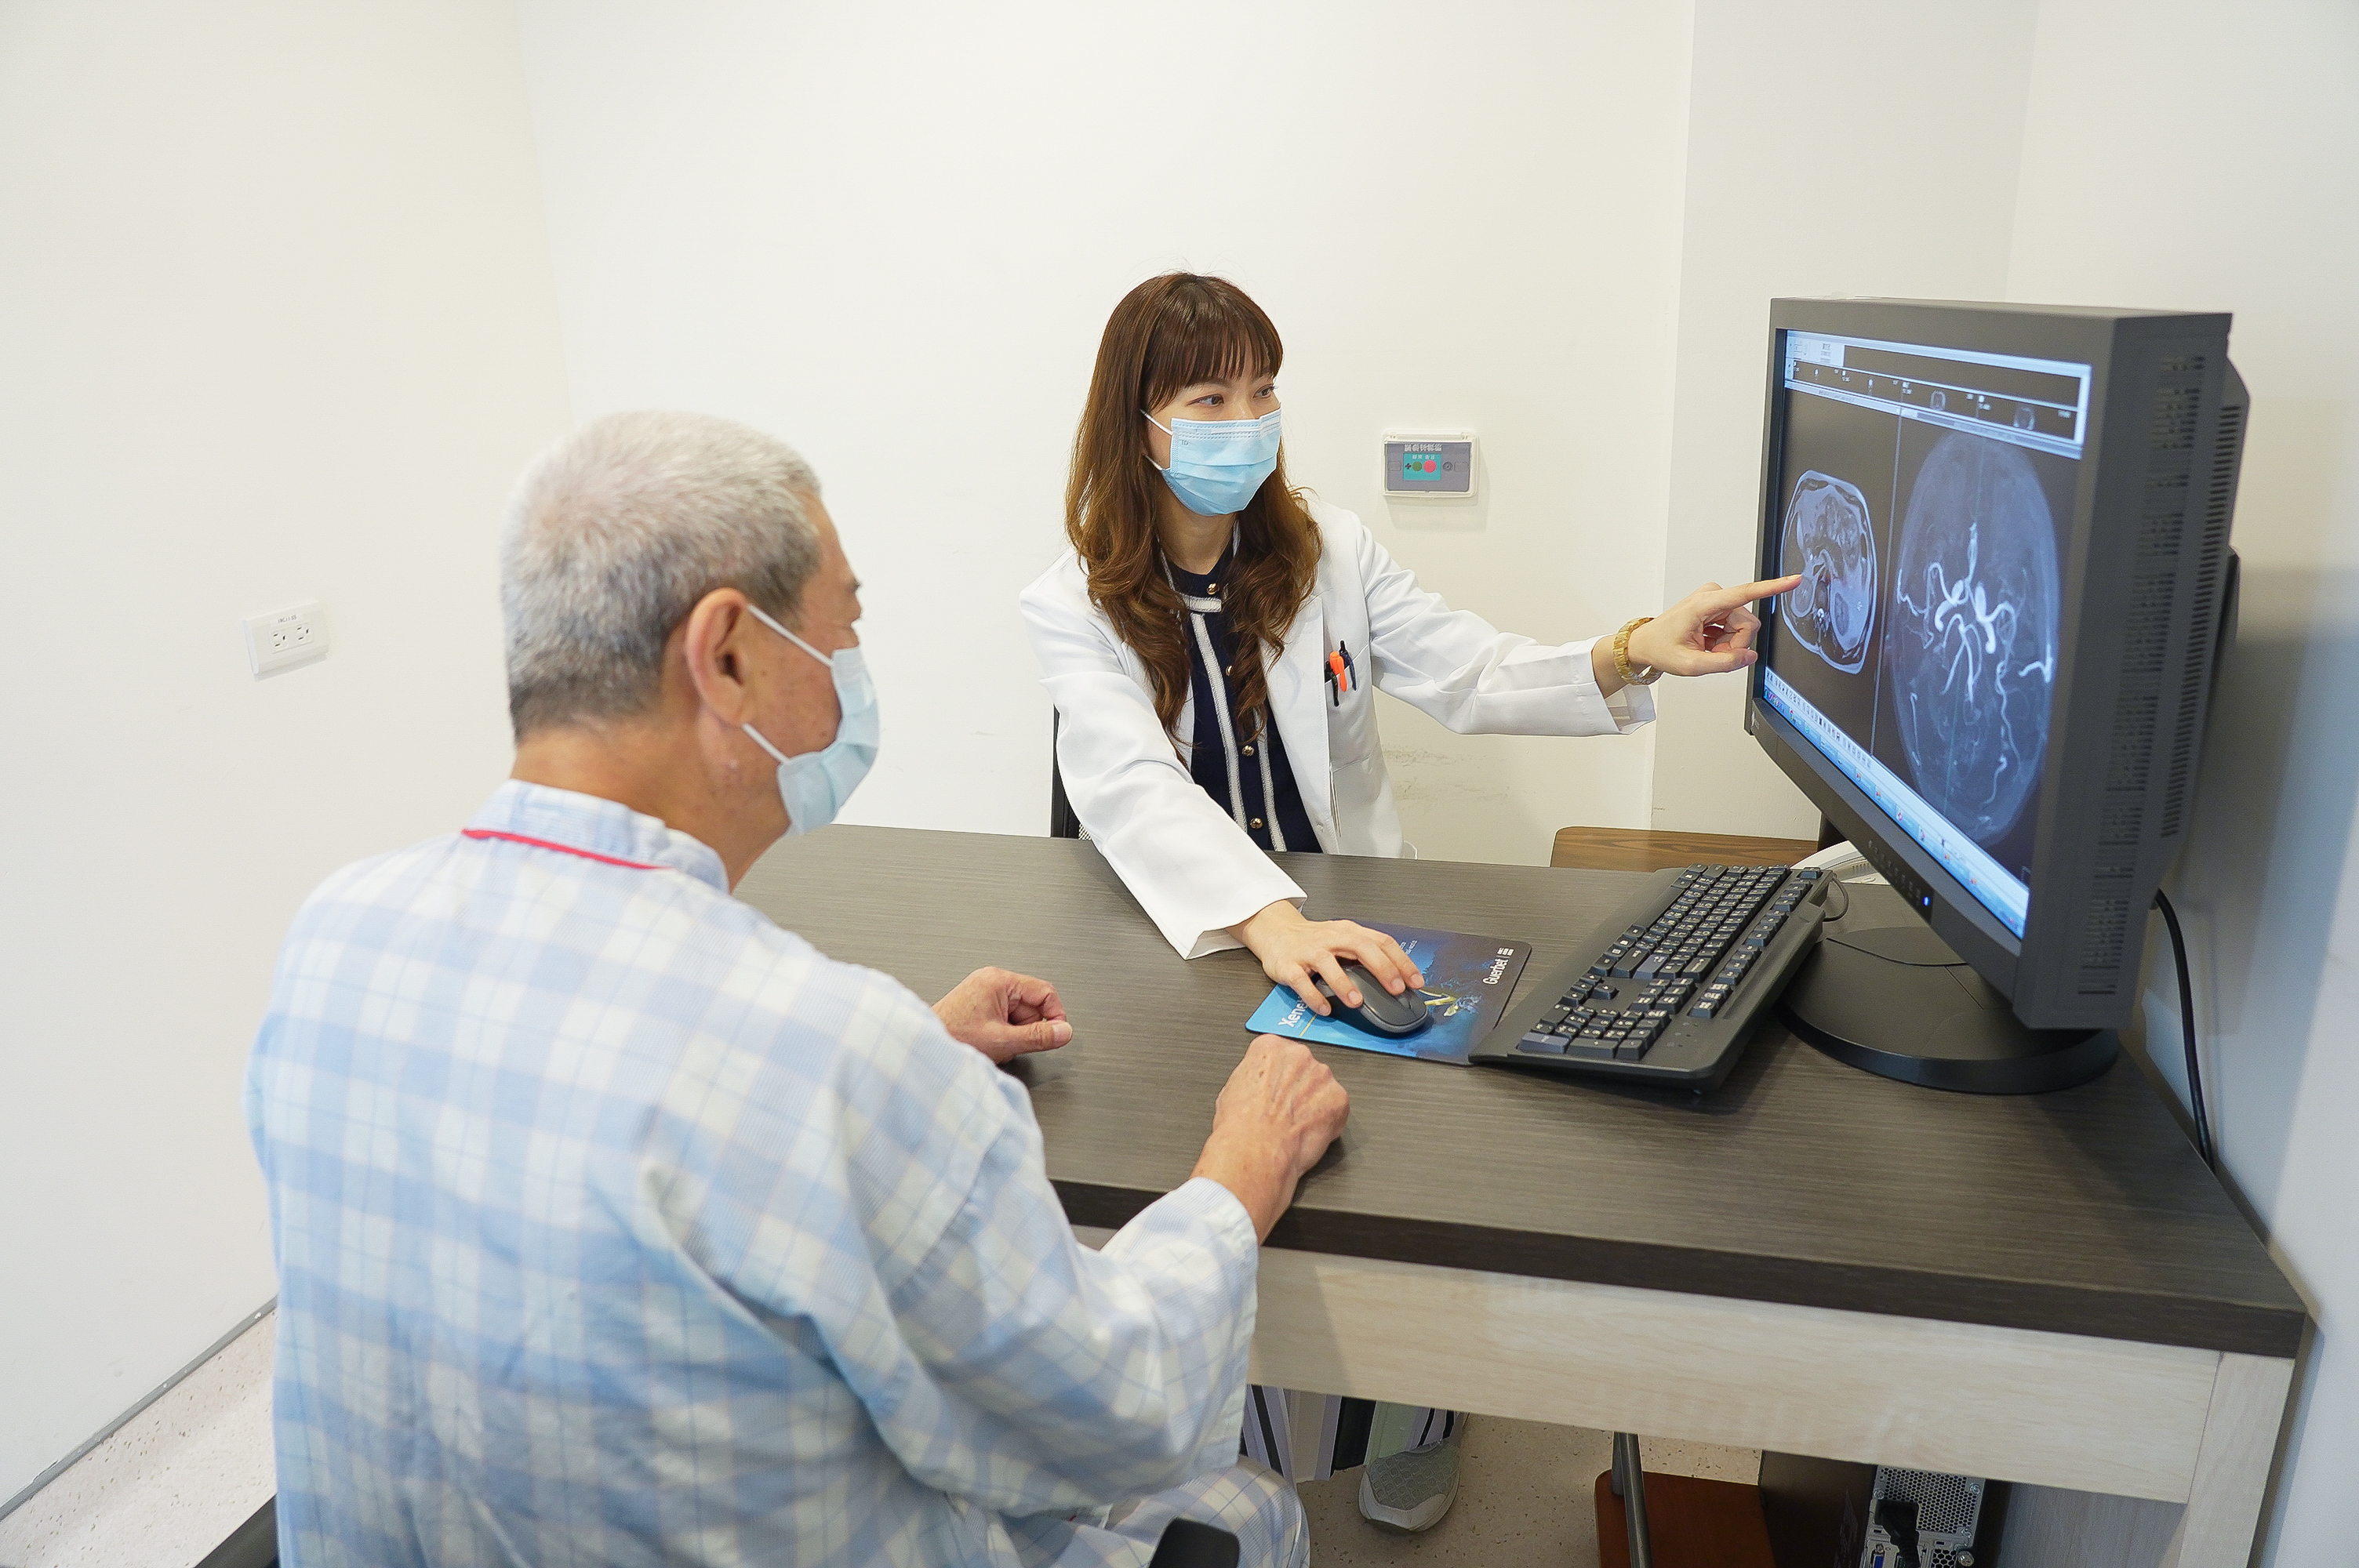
x=1972, y=628
x=1829, y=539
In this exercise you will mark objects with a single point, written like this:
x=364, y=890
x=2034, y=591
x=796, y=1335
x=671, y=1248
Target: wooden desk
x=2046, y=1288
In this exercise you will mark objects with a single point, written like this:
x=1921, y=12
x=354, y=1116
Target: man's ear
x=711, y=651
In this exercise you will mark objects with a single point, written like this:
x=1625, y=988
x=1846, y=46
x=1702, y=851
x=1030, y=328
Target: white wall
x=2180, y=153
x=893, y=235
x=281, y=322
x=278, y=322
x=1834, y=146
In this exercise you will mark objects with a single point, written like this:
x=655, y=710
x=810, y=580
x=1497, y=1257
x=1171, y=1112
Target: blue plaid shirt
x=617, y=1226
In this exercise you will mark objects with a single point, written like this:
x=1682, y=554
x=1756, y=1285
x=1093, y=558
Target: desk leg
x=2231, y=1468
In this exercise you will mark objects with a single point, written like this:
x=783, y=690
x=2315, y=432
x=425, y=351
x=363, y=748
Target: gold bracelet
x=1622, y=657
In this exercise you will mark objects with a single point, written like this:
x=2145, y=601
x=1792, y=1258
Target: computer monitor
x=2012, y=525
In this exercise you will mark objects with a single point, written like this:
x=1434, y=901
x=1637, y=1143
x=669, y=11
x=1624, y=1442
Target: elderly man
x=617, y=1226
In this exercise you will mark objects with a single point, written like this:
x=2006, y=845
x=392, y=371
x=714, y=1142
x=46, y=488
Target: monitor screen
x=1923, y=496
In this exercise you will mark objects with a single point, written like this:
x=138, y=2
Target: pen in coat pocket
x=1340, y=672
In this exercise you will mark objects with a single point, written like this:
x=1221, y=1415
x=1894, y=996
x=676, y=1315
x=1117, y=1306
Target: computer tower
x=1827, y=1513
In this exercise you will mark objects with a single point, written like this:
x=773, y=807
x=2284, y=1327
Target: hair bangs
x=1206, y=329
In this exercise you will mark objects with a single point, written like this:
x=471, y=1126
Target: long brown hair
x=1168, y=333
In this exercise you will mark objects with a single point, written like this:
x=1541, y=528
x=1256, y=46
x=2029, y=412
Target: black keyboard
x=1671, y=985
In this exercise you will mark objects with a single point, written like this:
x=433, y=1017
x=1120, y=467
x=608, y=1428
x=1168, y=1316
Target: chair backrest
x=1062, y=822
x=1191, y=1543
x=1651, y=849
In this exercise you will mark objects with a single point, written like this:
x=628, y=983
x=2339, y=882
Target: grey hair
x=617, y=530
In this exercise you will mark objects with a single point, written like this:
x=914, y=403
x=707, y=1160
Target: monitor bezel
x=2085, y=336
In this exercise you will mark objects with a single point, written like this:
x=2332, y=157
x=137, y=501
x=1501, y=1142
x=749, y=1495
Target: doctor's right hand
x=1292, y=950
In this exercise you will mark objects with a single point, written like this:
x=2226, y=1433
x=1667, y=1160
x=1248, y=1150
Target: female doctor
x=1212, y=641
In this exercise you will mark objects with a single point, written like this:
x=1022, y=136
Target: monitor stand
x=1884, y=993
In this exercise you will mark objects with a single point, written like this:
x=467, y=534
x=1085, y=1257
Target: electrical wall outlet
x=282, y=639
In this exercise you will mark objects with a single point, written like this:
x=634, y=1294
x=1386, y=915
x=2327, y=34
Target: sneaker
x=1408, y=1492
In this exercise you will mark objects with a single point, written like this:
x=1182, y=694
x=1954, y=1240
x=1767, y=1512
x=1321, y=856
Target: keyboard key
x=1541, y=1044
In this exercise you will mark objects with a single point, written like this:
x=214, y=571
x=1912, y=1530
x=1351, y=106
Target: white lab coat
x=1182, y=856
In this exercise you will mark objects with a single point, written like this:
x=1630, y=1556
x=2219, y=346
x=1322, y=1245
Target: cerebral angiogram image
x=1831, y=541
x=1970, y=640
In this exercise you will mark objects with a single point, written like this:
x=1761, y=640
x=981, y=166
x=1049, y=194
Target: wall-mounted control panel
x=1433, y=465
x=281, y=639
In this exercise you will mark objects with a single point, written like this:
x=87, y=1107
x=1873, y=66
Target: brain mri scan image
x=1971, y=638
x=1828, y=540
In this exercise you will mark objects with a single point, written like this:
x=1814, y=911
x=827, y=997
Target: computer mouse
x=1380, y=1012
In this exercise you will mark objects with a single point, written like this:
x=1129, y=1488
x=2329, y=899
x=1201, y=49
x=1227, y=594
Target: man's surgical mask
x=815, y=785
x=1218, y=464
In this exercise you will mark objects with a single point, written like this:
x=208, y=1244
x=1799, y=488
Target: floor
x=188, y=1470
x=1524, y=1498
x=167, y=1487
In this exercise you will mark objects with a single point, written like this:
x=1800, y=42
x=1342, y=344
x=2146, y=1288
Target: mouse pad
x=1468, y=980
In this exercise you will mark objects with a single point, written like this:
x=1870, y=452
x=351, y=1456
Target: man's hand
x=1275, y=1116
x=1003, y=1015
x=1292, y=950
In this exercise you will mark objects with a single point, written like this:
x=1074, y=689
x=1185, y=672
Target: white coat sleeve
x=1474, y=678
x=1191, y=869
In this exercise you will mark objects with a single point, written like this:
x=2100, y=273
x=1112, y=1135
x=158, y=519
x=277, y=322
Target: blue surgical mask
x=814, y=785
x=1217, y=465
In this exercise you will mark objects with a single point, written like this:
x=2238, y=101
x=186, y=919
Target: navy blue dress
x=1246, y=774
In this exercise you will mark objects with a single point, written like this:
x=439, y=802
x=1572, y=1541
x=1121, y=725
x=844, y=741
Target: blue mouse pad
x=1468, y=980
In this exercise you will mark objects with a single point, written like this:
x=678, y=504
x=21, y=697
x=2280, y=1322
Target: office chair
x=1677, y=1522
x=1192, y=1544
x=1652, y=849
x=1062, y=823
x=1630, y=1486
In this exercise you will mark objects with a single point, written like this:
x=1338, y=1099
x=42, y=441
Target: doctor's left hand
x=1709, y=632
x=1003, y=1015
